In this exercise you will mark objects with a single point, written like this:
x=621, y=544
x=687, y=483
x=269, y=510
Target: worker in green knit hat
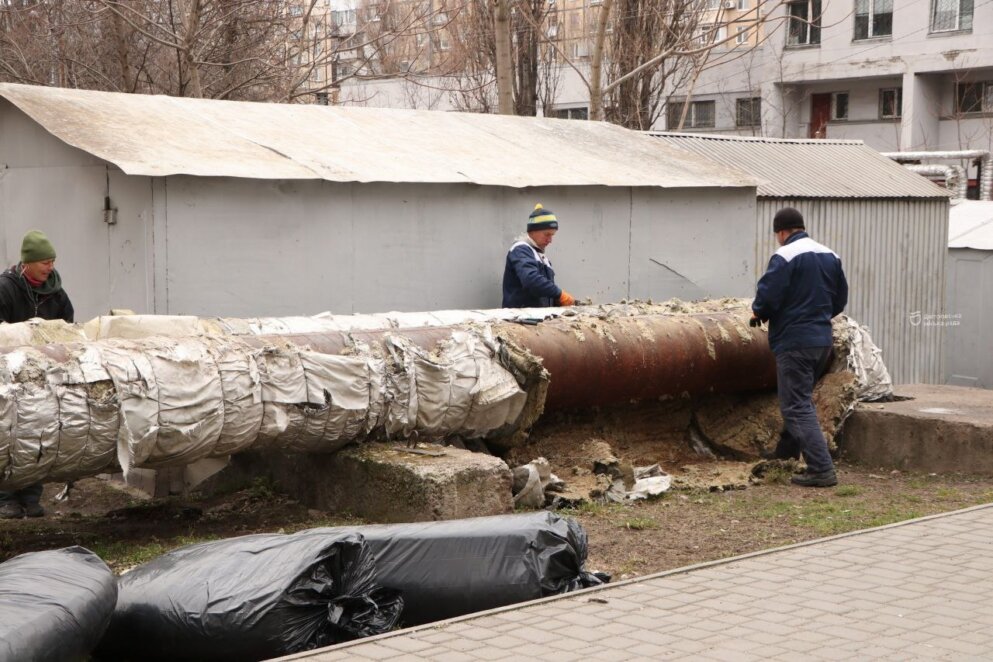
x=31, y=288
x=528, y=278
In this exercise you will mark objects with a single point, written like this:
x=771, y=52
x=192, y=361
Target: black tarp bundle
x=456, y=567
x=250, y=598
x=54, y=605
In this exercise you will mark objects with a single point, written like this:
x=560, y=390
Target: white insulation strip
x=160, y=402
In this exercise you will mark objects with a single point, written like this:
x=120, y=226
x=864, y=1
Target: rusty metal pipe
x=599, y=362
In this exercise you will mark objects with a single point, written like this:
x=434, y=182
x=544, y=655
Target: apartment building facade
x=911, y=75
x=916, y=75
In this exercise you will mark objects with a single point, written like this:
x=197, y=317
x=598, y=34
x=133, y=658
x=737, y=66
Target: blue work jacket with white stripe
x=528, y=279
x=801, y=290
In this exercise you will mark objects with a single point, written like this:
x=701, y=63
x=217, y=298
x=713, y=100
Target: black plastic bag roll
x=54, y=605
x=456, y=567
x=250, y=598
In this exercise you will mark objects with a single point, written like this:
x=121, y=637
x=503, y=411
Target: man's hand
x=754, y=322
x=566, y=299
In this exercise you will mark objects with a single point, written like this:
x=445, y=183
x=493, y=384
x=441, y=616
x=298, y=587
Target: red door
x=820, y=113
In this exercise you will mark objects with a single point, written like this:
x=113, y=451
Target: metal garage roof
x=809, y=168
x=158, y=135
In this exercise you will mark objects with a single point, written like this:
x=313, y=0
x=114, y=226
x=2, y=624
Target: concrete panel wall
x=968, y=359
x=894, y=253
x=278, y=248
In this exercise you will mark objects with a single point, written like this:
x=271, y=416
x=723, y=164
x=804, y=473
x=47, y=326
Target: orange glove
x=566, y=299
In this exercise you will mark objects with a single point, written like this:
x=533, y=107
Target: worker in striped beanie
x=528, y=277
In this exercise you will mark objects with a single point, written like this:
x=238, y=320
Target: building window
x=444, y=44
x=742, y=5
x=711, y=34
x=700, y=115
x=974, y=97
x=804, y=23
x=343, y=18
x=951, y=15
x=748, y=112
x=582, y=113
x=839, y=106
x=890, y=103
x=873, y=18
x=741, y=35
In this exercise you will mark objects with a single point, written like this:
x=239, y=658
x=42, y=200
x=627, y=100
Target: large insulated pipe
x=600, y=360
x=593, y=361
x=985, y=172
x=956, y=180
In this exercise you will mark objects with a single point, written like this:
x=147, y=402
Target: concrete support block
x=943, y=429
x=390, y=483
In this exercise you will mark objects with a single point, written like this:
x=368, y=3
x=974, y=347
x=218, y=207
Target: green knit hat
x=542, y=219
x=36, y=247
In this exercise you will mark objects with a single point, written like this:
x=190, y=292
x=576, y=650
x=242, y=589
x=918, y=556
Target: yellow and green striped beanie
x=542, y=219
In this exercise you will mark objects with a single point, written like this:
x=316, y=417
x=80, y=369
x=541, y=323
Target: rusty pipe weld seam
x=604, y=361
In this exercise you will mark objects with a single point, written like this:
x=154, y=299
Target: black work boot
x=11, y=510
x=33, y=510
x=816, y=478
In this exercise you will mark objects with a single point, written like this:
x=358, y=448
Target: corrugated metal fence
x=894, y=253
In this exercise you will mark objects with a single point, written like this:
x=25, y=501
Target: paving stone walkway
x=916, y=590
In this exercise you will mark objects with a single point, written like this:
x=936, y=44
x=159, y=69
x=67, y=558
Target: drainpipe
x=956, y=180
x=985, y=171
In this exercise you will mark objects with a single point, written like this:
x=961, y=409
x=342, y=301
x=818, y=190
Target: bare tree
x=272, y=50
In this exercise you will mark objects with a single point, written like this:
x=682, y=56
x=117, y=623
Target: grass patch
x=847, y=491
x=591, y=508
x=122, y=556
x=640, y=524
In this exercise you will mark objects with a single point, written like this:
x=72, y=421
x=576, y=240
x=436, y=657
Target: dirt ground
x=682, y=527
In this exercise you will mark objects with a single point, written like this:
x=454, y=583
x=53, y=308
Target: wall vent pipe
x=956, y=179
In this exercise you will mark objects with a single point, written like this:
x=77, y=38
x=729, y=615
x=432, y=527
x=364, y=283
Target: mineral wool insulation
x=157, y=402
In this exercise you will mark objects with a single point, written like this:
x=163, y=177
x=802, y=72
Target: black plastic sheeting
x=250, y=598
x=456, y=567
x=54, y=605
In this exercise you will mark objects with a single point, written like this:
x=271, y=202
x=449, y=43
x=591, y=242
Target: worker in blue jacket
x=528, y=278
x=802, y=289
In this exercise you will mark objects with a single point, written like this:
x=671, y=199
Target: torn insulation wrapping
x=162, y=402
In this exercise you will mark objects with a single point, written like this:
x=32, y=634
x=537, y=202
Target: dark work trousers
x=796, y=373
x=24, y=496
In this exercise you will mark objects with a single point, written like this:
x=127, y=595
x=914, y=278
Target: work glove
x=566, y=299
x=754, y=322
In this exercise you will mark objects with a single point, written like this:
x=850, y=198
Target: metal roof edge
x=758, y=139
x=942, y=196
